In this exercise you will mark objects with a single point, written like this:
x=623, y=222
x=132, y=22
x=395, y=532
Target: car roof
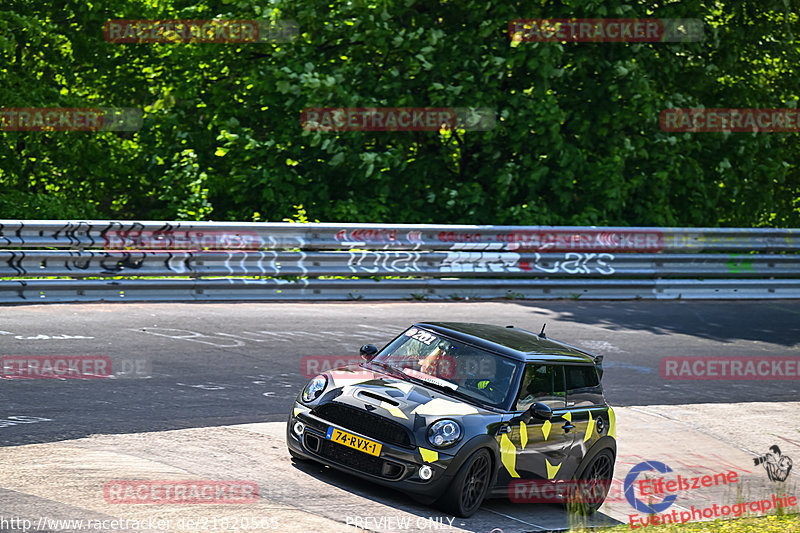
x=510, y=341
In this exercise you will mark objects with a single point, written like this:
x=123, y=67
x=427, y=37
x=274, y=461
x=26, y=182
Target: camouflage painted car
x=458, y=412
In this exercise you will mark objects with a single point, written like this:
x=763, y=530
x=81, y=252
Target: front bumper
x=397, y=467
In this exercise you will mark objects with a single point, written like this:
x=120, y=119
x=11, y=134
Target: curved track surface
x=206, y=389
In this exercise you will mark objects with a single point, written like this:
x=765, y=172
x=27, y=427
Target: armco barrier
x=180, y=261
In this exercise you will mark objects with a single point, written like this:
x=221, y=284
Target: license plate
x=351, y=441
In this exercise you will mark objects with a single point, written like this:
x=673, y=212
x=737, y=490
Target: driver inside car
x=437, y=363
x=488, y=377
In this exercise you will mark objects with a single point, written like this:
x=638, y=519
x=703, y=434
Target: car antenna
x=541, y=333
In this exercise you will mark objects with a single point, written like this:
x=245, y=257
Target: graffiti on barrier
x=570, y=263
x=375, y=262
x=573, y=263
x=480, y=262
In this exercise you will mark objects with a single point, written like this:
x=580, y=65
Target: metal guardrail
x=118, y=261
x=80, y=235
x=368, y=263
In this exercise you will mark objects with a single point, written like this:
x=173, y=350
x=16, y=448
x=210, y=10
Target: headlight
x=444, y=433
x=315, y=388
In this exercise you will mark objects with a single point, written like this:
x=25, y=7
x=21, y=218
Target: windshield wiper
x=422, y=376
x=443, y=388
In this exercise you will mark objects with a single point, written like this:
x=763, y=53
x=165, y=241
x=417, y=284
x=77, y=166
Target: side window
x=583, y=386
x=542, y=383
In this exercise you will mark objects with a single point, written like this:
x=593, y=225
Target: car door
x=536, y=449
x=586, y=410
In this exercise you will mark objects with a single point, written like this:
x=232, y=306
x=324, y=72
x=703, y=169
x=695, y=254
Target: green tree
x=577, y=139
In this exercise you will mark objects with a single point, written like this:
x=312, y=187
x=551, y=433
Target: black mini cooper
x=458, y=412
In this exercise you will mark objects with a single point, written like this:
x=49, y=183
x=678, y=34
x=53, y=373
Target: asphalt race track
x=202, y=391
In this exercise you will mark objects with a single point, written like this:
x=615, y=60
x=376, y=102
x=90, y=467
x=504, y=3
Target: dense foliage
x=577, y=139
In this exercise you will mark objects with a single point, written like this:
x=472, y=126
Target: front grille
x=358, y=460
x=365, y=423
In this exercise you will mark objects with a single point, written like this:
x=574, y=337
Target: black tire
x=594, y=482
x=467, y=491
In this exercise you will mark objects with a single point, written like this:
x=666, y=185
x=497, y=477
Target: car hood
x=394, y=396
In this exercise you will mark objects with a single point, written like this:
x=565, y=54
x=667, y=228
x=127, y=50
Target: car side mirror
x=368, y=351
x=539, y=410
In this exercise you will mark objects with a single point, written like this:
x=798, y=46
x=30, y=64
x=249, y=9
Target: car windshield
x=452, y=366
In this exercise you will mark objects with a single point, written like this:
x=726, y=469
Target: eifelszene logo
x=630, y=479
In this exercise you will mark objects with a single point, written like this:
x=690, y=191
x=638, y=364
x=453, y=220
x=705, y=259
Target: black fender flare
x=470, y=447
x=603, y=443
